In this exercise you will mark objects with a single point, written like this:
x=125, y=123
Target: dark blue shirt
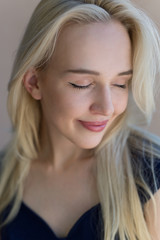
x=27, y=225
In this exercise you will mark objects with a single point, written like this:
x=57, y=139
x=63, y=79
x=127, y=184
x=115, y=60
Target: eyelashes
x=79, y=86
x=122, y=86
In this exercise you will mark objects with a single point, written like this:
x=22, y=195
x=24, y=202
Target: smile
x=94, y=126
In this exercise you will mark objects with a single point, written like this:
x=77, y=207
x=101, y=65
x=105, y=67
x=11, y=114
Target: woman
x=78, y=167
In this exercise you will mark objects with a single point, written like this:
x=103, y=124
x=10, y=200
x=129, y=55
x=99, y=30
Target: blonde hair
x=121, y=207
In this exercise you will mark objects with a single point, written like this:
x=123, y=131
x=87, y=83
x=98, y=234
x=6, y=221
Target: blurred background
x=14, y=16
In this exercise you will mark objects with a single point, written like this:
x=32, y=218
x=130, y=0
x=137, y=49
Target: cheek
x=73, y=105
x=120, y=104
x=67, y=104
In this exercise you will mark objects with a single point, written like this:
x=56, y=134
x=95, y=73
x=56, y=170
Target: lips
x=94, y=126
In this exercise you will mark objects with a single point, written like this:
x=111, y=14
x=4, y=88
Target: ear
x=31, y=83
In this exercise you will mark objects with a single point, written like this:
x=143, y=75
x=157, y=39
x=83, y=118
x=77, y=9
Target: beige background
x=13, y=19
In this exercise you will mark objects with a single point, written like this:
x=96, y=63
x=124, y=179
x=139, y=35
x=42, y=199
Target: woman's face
x=85, y=86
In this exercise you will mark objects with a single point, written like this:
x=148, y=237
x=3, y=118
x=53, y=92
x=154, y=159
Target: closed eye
x=124, y=86
x=79, y=86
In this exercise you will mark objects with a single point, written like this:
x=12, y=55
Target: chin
x=89, y=144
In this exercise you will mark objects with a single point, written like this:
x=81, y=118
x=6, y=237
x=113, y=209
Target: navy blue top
x=27, y=225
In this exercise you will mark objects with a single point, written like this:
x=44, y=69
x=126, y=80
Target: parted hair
x=121, y=207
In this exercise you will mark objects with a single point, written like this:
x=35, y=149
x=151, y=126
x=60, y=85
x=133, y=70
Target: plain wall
x=14, y=16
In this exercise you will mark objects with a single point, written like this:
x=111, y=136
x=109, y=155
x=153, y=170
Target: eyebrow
x=129, y=72
x=87, y=71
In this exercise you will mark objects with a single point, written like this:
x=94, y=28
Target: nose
x=103, y=104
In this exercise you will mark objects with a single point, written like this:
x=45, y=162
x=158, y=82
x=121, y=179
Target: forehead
x=95, y=46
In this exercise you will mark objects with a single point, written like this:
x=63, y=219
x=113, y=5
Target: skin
x=64, y=164
x=152, y=219
x=105, y=50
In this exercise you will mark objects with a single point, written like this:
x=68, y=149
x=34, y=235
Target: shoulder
x=144, y=150
x=140, y=138
x=144, y=146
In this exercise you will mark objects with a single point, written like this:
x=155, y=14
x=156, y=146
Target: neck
x=60, y=152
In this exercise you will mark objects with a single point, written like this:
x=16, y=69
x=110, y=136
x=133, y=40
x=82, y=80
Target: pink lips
x=94, y=126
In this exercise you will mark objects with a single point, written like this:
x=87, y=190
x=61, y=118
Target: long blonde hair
x=121, y=207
